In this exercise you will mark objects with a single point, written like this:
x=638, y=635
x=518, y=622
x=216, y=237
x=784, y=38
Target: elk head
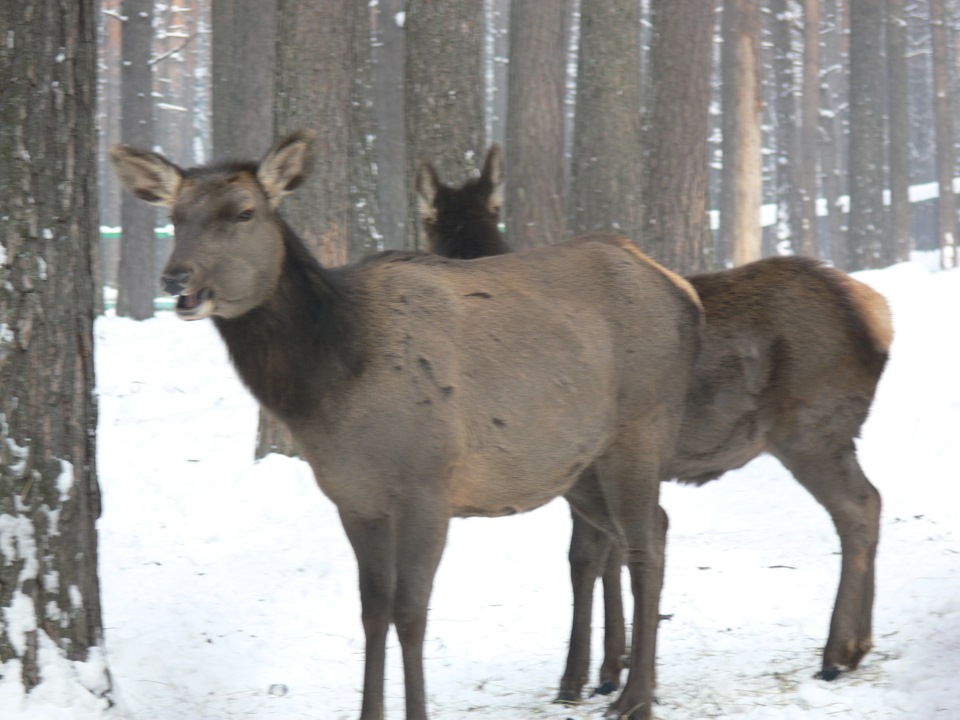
x=474, y=207
x=228, y=238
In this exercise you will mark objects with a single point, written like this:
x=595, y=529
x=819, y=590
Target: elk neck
x=300, y=346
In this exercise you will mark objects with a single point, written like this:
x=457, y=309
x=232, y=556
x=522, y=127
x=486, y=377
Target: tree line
x=825, y=112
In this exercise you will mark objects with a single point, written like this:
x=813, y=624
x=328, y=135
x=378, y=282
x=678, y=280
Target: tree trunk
x=388, y=57
x=740, y=196
x=946, y=203
x=49, y=496
x=364, y=234
x=534, y=209
x=785, y=103
x=605, y=169
x=313, y=87
x=866, y=227
x=898, y=95
x=244, y=58
x=444, y=91
x=496, y=62
x=244, y=53
x=108, y=103
x=809, y=243
x=676, y=230
x=176, y=82
x=137, y=275
x=832, y=93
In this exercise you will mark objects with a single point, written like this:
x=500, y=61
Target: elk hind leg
x=590, y=551
x=838, y=483
x=614, y=632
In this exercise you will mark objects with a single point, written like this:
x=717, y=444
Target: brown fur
x=421, y=389
x=791, y=358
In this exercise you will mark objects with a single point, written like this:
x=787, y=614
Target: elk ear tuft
x=492, y=175
x=287, y=164
x=427, y=184
x=146, y=174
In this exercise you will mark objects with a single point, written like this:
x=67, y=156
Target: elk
x=791, y=357
x=420, y=388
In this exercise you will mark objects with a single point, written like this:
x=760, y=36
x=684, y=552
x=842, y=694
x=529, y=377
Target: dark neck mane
x=295, y=347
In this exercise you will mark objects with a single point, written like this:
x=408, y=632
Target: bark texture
x=534, y=202
x=866, y=224
x=899, y=140
x=313, y=87
x=676, y=231
x=137, y=276
x=444, y=92
x=740, y=235
x=244, y=55
x=605, y=168
x=49, y=235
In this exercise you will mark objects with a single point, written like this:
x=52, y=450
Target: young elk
x=420, y=389
x=792, y=354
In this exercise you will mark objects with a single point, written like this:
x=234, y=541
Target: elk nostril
x=174, y=283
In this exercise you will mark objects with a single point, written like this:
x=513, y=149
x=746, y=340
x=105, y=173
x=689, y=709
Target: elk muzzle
x=175, y=283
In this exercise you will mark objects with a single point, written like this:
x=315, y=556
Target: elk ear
x=492, y=174
x=146, y=174
x=287, y=164
x=427, y=185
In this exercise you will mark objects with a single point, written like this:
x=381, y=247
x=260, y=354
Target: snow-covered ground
x=229, y=589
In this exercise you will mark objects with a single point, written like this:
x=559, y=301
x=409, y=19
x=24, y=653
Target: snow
x=229, y=589
x=65, y=480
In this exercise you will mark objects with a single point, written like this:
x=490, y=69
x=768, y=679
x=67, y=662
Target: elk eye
x=245, y=215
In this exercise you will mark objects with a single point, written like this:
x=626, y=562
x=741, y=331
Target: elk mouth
x=195, y=306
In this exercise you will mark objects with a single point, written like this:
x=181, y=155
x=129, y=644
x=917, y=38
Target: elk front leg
x=646, y=563
x=630, y=480
x=836, y=480
x=373, y=543
x=397, y=558
x=421, y=537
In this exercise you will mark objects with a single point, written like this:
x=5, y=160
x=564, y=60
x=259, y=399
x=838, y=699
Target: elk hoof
x=606, y=688
x=567, y=697
x=828, y=674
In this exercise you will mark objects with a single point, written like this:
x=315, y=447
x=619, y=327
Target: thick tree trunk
x=676, y=230
x=605, y=168
x=244, y=58
x=244, y=53
x=444, y=91
x=866, y=226
x=313, y=88
x=49, y=235
x=137, y=276
x=534, y=201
